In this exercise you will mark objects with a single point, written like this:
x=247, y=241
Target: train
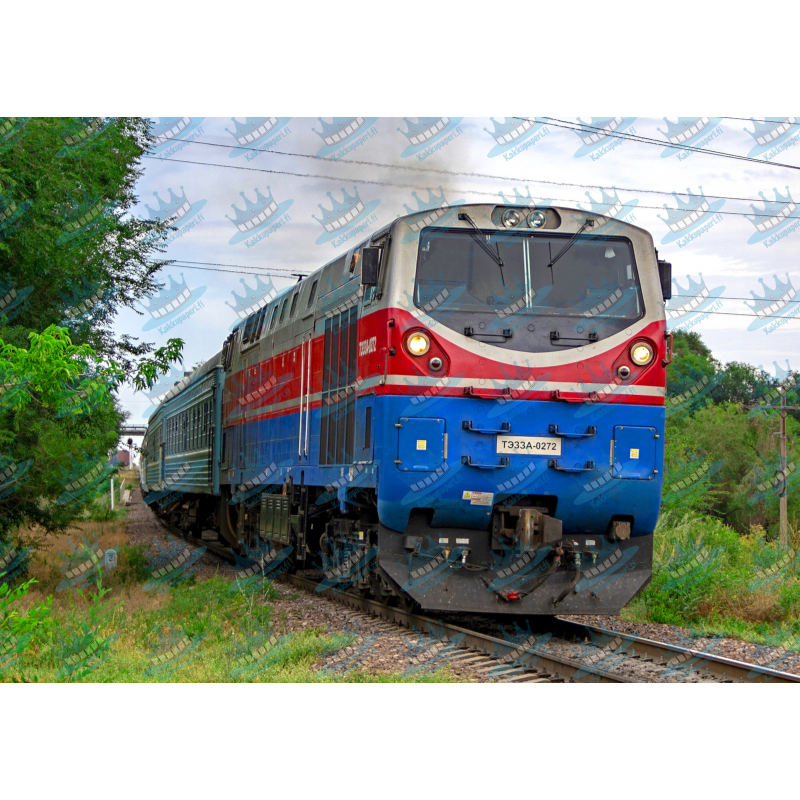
x=462, y=413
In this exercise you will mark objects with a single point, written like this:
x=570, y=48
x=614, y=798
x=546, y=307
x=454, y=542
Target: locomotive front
x=516, y=365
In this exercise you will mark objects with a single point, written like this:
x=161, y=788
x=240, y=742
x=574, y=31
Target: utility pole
x=781, y=474
x=784, y=511
x=784, y=493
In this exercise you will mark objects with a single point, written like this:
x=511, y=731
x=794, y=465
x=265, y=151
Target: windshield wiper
x=587, y=224
x=478, y=236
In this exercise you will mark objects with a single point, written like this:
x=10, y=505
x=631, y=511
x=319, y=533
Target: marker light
x=511, y=218
x=418, y=344
x=537, y=219
x=641, y=353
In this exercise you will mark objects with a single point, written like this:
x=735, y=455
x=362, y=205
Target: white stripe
x=544, y=386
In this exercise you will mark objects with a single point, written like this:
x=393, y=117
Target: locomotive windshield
x=528, y=290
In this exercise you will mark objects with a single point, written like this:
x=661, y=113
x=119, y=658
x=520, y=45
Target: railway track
x=565, y=651
x=496, y=658
x=676, y=660
x=570, y=651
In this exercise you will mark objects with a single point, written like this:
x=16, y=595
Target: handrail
x=487, y=394
x=468, y=462
x=302, y=373
x=590, y=431
x=308, y=391
x=505, y=427
x=555, y=465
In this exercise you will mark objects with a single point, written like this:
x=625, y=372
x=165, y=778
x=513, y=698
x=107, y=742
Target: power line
x=755, y=214
x=242, y=266
x=648, y=140
x=754, y=119
x=232, y=269
x=426, y=171
x=739, y=314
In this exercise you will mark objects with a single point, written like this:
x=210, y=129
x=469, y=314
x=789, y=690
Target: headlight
x=537, y=219
x=511, y=218
x=641, y=353
x=418, y=344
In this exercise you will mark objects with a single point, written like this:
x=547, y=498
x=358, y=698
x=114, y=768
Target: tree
x=71, y=240
x=691, y=361
x=71, y=255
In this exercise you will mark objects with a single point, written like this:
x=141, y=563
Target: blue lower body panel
x=462, y=487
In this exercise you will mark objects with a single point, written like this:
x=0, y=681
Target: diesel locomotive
x=463, y=413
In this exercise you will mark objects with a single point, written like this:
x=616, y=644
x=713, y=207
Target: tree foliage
x=71, y=256
x=726, y=436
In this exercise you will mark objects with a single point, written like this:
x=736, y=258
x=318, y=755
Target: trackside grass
x=195, y=632
x=711, y=578
x=110, y=630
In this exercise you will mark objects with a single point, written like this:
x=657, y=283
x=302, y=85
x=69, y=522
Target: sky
x=284, y=169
